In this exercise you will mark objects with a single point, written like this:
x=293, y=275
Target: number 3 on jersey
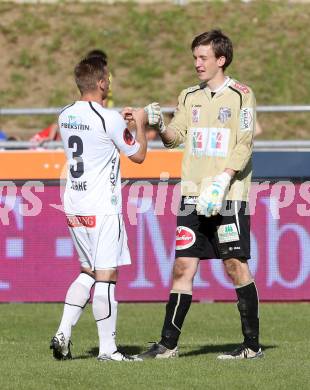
x=75, y=142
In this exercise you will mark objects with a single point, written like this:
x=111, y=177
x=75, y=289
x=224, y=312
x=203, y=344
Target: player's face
x=206, y=64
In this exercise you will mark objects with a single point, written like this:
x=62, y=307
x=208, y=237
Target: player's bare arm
x=168, y=136
x=138, y=119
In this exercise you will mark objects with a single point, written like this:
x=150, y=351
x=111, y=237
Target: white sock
x=76, y=299
x=105, y=314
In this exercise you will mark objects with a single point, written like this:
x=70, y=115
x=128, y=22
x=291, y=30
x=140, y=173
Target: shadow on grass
x=205, y=349
x=93, y=352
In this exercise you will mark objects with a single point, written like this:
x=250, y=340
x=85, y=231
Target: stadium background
x=42, y=77
x=148, y=48
x=38, y=259
x=149, y=54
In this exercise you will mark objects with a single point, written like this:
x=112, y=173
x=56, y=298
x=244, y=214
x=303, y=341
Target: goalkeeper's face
x=206, y=64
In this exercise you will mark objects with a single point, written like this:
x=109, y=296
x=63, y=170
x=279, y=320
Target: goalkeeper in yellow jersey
x=215, y=121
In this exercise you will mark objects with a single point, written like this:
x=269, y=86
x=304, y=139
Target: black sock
x=176, y=310
x=248, y=309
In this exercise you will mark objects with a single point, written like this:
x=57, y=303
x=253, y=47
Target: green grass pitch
x=26, y=361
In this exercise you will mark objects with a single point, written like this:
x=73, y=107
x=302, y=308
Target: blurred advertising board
x=38, y=260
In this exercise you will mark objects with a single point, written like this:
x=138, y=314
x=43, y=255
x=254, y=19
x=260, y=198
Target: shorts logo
x=224, y=114
x=234, y=248
x=246, y=119
x=190, y=199
x=227, y=233
x=195, y=114
x=185, y=238
x=128, y=137
x=81, y=220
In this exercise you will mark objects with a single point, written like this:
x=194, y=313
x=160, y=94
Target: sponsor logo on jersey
x=195, y=114
x=113, y=173
x=218, y=142
x=114, y=199
x=209, y=141
x=246, y=119
x=74, y=127
x=74, y=123
x=128, y=137
x=224, y=114
x=185, y=238
x=241, y=87
x=227, y=233
x=81, y=220
x=113, y=180
x=199, y=141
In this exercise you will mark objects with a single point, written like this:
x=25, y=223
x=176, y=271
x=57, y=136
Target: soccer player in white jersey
x=93, y=136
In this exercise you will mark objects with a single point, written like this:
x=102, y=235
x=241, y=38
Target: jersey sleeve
x=241, y=153
x=121, y=136
x=179, y=123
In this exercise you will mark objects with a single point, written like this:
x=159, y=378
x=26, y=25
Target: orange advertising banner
x=50, y=165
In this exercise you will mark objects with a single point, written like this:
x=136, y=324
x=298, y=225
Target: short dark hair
x=88, y=72
x=97, y=53
x=221, y=44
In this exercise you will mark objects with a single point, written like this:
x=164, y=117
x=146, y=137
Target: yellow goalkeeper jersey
x=217, y=129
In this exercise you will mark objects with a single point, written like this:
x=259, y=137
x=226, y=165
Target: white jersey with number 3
x=93, y=136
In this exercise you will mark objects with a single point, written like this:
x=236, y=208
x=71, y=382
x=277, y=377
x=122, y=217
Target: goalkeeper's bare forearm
x=168, y=136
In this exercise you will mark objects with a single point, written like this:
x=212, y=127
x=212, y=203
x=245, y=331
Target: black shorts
x=224, y=236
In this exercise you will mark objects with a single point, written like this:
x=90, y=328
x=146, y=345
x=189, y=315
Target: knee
x=180, y=271
x=238, y=271
x=232, y=269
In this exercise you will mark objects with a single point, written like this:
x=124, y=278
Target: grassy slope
x=26, y=362
x=148, y=47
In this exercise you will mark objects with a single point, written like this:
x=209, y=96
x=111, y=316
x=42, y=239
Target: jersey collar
x=218, y=90
x=223, y=86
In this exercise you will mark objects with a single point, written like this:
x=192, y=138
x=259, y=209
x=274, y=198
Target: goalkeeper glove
x=211, y=198
x=155, y=116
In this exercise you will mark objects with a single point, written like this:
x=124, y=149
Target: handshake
x=155, y=116
x=152, y=112
x=212, y=196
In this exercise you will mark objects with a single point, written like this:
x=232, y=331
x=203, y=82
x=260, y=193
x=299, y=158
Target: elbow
x=142, y=157
x=140, y=160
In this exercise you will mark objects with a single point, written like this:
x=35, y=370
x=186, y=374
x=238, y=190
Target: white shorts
x=101, y=240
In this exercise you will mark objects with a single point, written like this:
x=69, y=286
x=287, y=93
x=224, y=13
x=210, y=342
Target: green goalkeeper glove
x=212, y=197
